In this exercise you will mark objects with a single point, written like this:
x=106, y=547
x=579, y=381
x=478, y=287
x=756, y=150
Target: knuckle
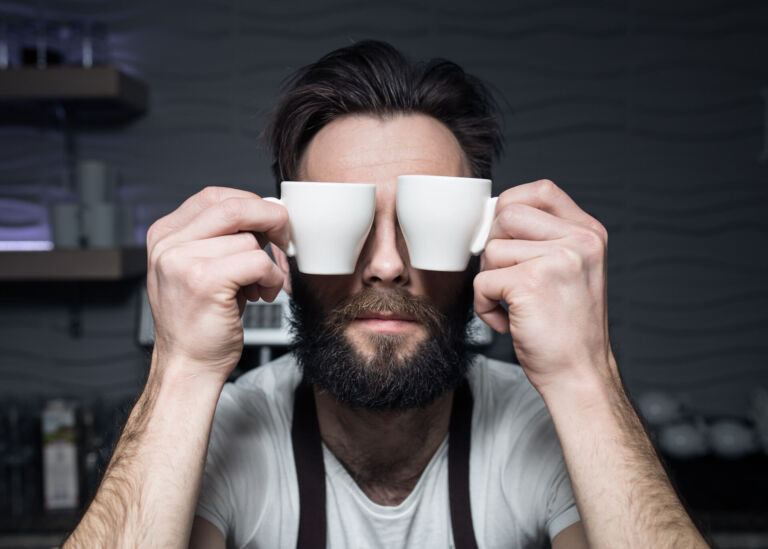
x=478, y=283
x=506, y=196
x=546, y=187
x=569, y=259
x=263, y=264
x=507, y=216
x=153, y=256
x=151, y=233
x=492, y=249
x=592, y=242
x=166, y=261
x=595, y=225
x=601, y=231
x=249, y=239
x=591, y=245
x=231, y=208
x=211, y=194
x=156, y=232
x=262, y=259
x=505, y=193
x=197, y=277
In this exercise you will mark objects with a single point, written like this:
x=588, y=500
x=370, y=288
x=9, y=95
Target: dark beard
x=384, y=382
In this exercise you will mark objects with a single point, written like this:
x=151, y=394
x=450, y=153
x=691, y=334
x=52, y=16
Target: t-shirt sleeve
x=561, y=504
x=537, y=469
x=245, y=466
x=558, y=504
x=215, y=501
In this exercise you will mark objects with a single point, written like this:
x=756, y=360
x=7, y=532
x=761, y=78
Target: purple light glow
x=25, y=245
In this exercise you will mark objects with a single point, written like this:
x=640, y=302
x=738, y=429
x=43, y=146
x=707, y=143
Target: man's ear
x=282, y=262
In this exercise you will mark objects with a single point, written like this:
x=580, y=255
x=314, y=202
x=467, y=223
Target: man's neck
x=384, y=452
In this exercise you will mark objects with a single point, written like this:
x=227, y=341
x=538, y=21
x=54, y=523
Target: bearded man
x=382, y=428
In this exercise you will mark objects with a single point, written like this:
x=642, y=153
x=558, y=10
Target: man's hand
x=205, y=260
x=546, y=258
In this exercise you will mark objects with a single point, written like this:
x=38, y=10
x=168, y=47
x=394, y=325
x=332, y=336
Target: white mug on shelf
x=96, y=182
x=65, y=224
x=100, y=225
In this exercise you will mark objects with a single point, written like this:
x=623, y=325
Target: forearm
x=622, y=491
x=150, y=488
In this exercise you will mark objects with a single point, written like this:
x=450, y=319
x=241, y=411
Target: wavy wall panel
x=649, y=115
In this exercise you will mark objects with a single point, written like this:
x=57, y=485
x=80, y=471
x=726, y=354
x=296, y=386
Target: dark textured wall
x=648, y=113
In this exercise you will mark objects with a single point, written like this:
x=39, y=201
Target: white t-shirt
x=520, y=492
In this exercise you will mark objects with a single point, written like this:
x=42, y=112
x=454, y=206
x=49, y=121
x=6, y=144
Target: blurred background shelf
x=75, y=264
x=87, y=97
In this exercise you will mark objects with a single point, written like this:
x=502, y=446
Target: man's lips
x=385, y=322
x=384, y=316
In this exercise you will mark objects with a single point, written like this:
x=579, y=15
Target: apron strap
x=458, y=468
x=310, y=469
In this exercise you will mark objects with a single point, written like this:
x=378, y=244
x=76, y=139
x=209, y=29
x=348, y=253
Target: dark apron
x=308, y=456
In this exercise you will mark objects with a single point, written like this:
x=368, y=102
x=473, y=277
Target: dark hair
x=372, y=77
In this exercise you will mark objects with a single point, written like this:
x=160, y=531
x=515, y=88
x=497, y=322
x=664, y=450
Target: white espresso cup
x=328, y=223
x=445, y=220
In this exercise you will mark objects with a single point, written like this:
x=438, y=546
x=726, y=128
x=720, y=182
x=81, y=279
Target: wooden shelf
x=75, y=264
x=97, y=96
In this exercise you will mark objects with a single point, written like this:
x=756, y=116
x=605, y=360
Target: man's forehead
x=369, y=148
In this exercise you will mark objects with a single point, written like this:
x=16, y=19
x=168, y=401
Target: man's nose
x=384, y=257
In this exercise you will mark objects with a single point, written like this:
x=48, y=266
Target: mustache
x=396, y=300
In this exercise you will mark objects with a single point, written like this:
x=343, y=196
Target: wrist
x=178, y=372
x=174, y=403
x=585, y=386
x=178, y=383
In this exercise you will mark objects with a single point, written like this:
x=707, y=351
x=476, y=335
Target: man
x=384, y=443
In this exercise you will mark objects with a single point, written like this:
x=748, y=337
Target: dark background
x=650, y=114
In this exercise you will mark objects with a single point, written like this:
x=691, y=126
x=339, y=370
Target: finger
x=251, y=292
x=497, y=319
x=252, y=267
x=254, y=292
x=529, y=223
x=193, y=206
x=545, y=195
x=234, y=215
x=501, y=252
x=489, y=289
x=219, y=246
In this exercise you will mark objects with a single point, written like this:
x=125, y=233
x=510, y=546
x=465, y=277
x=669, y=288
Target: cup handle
x=290, y=250
x=478, y=245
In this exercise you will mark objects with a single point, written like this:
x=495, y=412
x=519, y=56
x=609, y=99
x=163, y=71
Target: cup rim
x=331, y=183
x=436, y=177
